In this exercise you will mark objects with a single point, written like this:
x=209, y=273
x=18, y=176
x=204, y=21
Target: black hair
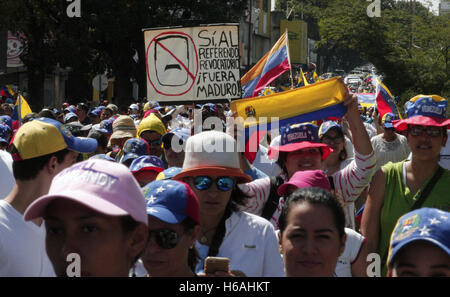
x=101, y=138
x=28, y=169
x=237, y=198
x=317, y=196
x=29, y=116
x=343, y=154
x=193, y=255
x=47, y=113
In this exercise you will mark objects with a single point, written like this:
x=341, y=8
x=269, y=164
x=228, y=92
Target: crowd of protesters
x=146, y=190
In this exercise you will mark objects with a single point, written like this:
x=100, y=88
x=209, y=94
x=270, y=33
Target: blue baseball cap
x=429, y=224
x=153, y=104
x=169, y=173
x=387, y=120
x=105, y=126
x=297, y=137
x=143, y=163
x=95, y=111
x=70, y=109
x=6, y=120
x=69, y=116
x=4, y=131
x=134, y=148
x=326, y=126
x=103, y=157
x=171, y=201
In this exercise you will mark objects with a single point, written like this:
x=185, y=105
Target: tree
x=104, y=38
x=408, y=46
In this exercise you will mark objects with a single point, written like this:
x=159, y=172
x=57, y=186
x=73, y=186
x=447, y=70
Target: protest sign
x=193, y=64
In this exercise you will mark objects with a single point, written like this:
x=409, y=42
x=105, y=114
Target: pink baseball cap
x=307, y=179
x=101, y=185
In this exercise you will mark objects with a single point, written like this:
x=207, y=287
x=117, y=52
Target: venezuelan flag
x=385, y=100
x=272, y=65
x=5, y=91
x=313, y=102
x=20, y=108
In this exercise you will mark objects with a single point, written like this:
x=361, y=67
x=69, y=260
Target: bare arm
x=359, y=267
x=370, y=223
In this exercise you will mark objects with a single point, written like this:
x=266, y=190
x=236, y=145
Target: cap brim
x=388, y=125
x=215, y=171
x=37, y=208
x=165, y=215
x=402, y=125
x=83, y=144
x=149, y=168
x=412, y=239
x=129, y=156
x=292, y=147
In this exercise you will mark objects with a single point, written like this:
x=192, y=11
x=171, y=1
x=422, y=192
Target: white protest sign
x=193, y=64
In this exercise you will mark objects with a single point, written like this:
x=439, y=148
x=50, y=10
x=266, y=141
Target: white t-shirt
x=353, y=246
x=445, y=154
x=251, y=245
x=22, y=246
x=394, y=151
x=7, y=180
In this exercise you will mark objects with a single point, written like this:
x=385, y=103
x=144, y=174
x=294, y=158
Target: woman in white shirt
x=212, y=169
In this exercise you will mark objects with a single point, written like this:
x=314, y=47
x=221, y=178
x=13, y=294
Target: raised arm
x=360, y=138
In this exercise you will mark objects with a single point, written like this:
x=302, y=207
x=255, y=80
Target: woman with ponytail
x=212, y=169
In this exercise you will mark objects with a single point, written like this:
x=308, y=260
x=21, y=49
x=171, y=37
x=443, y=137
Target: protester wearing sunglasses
x=174, y=225
x=398, y=188
x=173, y=144
x=212, y=169
x=151, y=129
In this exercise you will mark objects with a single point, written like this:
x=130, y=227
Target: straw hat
x=212, y=153
x=123, y=127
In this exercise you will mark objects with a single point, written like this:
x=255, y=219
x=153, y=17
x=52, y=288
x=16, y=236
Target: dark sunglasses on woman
x=165, y=238
x=223, y=183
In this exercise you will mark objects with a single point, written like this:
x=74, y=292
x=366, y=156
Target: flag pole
x=289, y=59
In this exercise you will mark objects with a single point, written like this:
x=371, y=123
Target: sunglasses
x=337, y=139
x=156, y=142
x=164, y=238
x=431, y=131
x=167, y=143
x=223, y=183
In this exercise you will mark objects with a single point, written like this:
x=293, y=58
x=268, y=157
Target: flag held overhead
x=313, y=102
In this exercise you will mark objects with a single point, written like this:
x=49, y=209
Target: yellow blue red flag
x=313, y=102
x=21, y=108
x=272, y=65
x=385, y=101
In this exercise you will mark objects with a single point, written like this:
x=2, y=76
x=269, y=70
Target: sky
x=434, y=4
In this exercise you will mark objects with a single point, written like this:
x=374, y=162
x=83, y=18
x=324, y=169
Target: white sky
x=434, y=4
